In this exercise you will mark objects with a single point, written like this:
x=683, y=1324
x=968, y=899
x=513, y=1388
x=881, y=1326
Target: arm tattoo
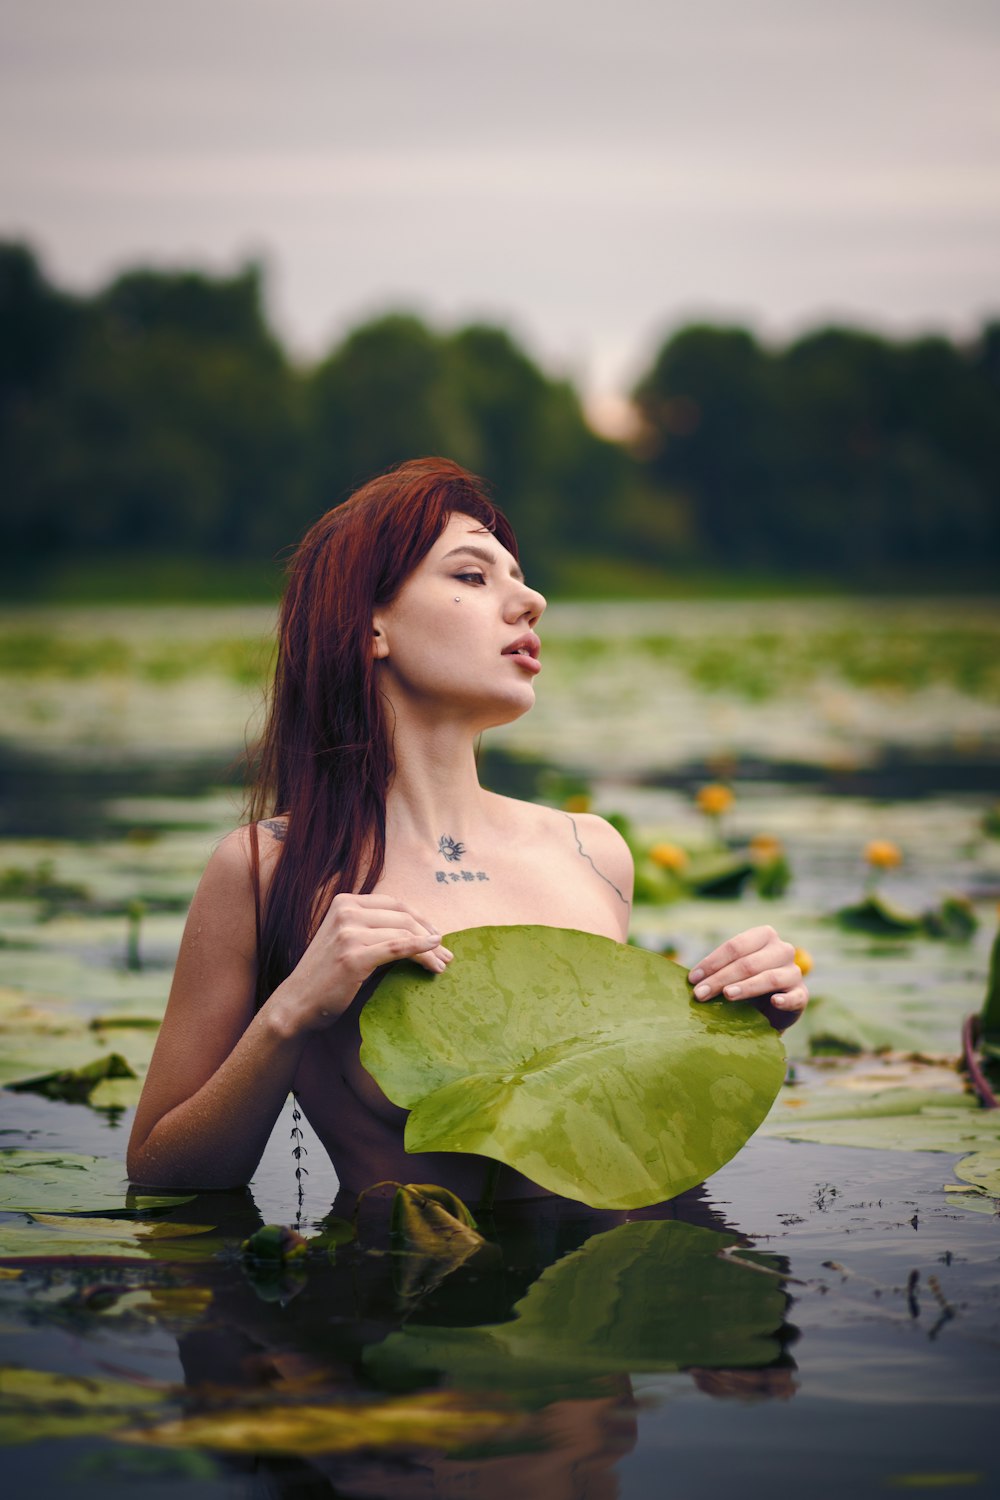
x=591, y=862
x=276, y=826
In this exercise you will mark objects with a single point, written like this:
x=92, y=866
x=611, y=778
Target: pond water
x=818, y=1312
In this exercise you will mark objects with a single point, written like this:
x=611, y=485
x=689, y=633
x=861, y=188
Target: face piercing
x=458, y=598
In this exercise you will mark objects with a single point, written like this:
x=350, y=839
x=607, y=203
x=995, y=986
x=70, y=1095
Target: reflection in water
x=512, y=1372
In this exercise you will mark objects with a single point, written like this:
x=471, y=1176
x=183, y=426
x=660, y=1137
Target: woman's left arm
x=754, y=965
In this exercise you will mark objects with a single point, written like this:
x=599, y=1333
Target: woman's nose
x=529, y=605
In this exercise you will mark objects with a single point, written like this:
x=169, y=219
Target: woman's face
x=458, y=640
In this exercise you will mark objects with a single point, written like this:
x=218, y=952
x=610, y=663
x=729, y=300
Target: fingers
x=377, y=909
x=755, y=963
x=792, y=1000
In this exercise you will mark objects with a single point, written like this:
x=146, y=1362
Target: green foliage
x=842, y=451
x=38, y=883
x=581, y=1062
x=160, y=419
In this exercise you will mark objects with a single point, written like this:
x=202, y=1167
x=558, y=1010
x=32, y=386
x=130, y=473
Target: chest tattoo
x=444, y=877
x=450, y=848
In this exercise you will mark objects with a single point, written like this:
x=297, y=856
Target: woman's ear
x=380, y=646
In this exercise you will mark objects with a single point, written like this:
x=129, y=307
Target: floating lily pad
x=75, y=1084
x=832, y=1028
x=899, y=1119
x=67, y=1183
x=56, y=1236
x=879, y=917
x=718, y=875
x=631, y=1300
x=579, y=1061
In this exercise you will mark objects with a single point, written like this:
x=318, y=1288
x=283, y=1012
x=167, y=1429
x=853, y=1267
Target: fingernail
x=448, y=954
x=696, y=974
x=733, y=991
x=779, y=1002
x=701, y=993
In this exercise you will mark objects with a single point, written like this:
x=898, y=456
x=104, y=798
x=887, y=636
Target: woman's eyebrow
x=484, y=556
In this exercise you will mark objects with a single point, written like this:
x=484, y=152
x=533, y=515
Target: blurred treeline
x=161, y=419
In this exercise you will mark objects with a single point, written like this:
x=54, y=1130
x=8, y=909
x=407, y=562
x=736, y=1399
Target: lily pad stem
x=978, y=1079
x=490, y=1186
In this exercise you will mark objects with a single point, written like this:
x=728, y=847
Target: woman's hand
x=357, y=935
x=753, y=965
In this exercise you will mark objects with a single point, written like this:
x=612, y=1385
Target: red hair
x=325, y=757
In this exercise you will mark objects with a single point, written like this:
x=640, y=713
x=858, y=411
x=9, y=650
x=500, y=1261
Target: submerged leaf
x=632, y=1299
x=581, y=1062
x=437, y=1419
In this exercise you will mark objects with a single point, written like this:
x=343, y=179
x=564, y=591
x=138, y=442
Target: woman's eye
x=471, y=577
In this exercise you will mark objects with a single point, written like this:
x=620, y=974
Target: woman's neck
x=435, y=792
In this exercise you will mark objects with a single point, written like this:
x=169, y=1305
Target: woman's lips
x=530, y=663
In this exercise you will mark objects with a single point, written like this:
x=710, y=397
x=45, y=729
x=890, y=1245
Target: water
x=834, y=1312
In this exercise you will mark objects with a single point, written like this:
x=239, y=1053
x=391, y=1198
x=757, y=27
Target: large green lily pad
x=643, y=1297
x=579, y=1061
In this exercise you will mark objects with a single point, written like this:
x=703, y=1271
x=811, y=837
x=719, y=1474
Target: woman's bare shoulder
x=589, y=832
x=229, y=873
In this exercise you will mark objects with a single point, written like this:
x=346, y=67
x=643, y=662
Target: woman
x=407, y=629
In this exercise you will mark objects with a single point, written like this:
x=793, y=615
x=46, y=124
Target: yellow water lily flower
x=764, y=846
x=714, y=799
x=669, y=856
x=804, y=960
x=883, y=854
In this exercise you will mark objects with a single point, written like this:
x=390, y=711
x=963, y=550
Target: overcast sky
x=590, y=174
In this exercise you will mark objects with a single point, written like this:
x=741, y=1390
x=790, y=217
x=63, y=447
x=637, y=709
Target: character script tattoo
x=276, y=826
x=596, y=871
x=450, y=848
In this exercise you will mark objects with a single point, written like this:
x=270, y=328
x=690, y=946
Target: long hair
x=325, y=757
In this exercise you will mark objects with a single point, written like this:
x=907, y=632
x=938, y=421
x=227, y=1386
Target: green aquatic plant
x=75, y=1084
x=581, y=1062
x=66, y=1182
x=954, y=920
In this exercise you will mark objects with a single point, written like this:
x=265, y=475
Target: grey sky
x=589, y=174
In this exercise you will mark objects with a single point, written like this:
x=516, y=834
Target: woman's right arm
x=220, y=1073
